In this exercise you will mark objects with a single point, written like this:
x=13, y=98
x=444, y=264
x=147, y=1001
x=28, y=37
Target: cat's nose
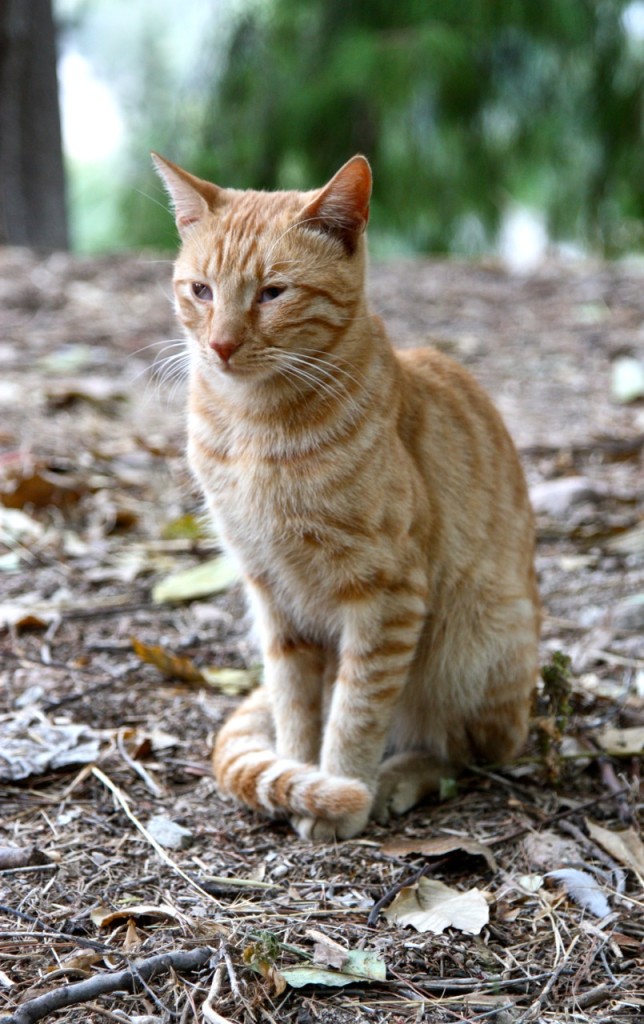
x=224, y=347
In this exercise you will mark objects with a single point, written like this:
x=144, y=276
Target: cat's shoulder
x=433, y=367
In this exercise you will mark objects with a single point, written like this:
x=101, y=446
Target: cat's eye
x=202, y=291
x=268, y=294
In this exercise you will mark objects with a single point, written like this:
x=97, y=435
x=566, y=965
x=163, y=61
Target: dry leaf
x=132, y=938
x=326, y=951
x=548, y=849
x=625, y=846
x=78, y=959
x=622, y=741
x=201, y=580
x=25, y=481
x=31, y=744
x=102, y=917
x=98, y=390
x=232, y=681
x=584, y=889
x=440, y=845
x=172, y=665
x=28, y=613
x=431, y=906
x=530, y=883
x=21, y=857
x=359, y=965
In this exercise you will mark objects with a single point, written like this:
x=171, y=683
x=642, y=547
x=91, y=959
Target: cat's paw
x=325, y=830
x=394, y=797
x=403, y=781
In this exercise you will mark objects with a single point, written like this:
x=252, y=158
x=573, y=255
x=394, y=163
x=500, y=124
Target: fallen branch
x=100, y=984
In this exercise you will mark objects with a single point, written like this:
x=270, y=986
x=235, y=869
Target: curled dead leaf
x=102, y=917
x=625, y=846
x=174, y=666
x=439, y=846
x=432, y=906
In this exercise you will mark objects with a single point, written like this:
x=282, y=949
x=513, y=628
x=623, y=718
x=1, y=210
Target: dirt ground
x=98, y=743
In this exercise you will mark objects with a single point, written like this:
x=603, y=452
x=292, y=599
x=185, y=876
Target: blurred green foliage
x=462, y=106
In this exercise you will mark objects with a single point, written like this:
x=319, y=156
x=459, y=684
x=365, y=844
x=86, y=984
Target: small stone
x=168, y=833
x=627, y=382
x=555, y=497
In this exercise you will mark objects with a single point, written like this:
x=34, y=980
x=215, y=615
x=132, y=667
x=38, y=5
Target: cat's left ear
x=341, y=208
x=192, y=198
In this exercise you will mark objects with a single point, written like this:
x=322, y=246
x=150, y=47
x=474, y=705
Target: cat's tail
x=247, y=768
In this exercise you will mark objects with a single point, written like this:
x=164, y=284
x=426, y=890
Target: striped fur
x=376, y=506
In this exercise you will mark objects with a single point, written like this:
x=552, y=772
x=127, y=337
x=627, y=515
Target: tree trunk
x=32, y=183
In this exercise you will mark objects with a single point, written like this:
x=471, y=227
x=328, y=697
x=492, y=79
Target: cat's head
x=265, y=280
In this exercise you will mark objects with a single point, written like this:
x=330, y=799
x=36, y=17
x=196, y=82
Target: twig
x=30, y=868
x=125, y=980
x=593, y=997
x=232, y=977
x=535, y=1008
x=612, y=784
x=616, y=659
x=136, y=766
x=77, y=940
x=596, y=851
x=554, y=818
x=225, y=964
x=122, y=799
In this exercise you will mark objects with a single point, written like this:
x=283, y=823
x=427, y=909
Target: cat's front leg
x=293, y=673
x=379, y=643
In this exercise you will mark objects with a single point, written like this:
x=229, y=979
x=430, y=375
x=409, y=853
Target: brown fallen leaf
x=21, y=857
x=102, y=917
x=231, y=681
x=28, y=481
x=547, y=850
x=77, y=960
x=438, y=846
x=327, y=952
x=174, y=666
x=132, y=938
x=625, y=846
x=97, y=390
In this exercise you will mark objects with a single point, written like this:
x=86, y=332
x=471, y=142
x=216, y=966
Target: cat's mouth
x=234, y=366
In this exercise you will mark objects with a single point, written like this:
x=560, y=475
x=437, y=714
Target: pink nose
x=224, y=347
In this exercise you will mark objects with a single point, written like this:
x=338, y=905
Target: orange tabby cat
x=375, y=504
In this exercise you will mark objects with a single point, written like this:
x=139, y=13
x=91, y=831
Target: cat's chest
x=264, y=502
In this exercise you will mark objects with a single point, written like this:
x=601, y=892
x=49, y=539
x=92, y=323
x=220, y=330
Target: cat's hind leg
x=404, y=780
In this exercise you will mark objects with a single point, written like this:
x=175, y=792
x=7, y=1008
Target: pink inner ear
x=191, y=196
x=342, y=207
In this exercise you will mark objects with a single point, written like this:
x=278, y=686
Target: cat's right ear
x=192, y=198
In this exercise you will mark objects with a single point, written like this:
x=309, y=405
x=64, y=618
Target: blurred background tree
x=465, y=108
x=32, y=182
